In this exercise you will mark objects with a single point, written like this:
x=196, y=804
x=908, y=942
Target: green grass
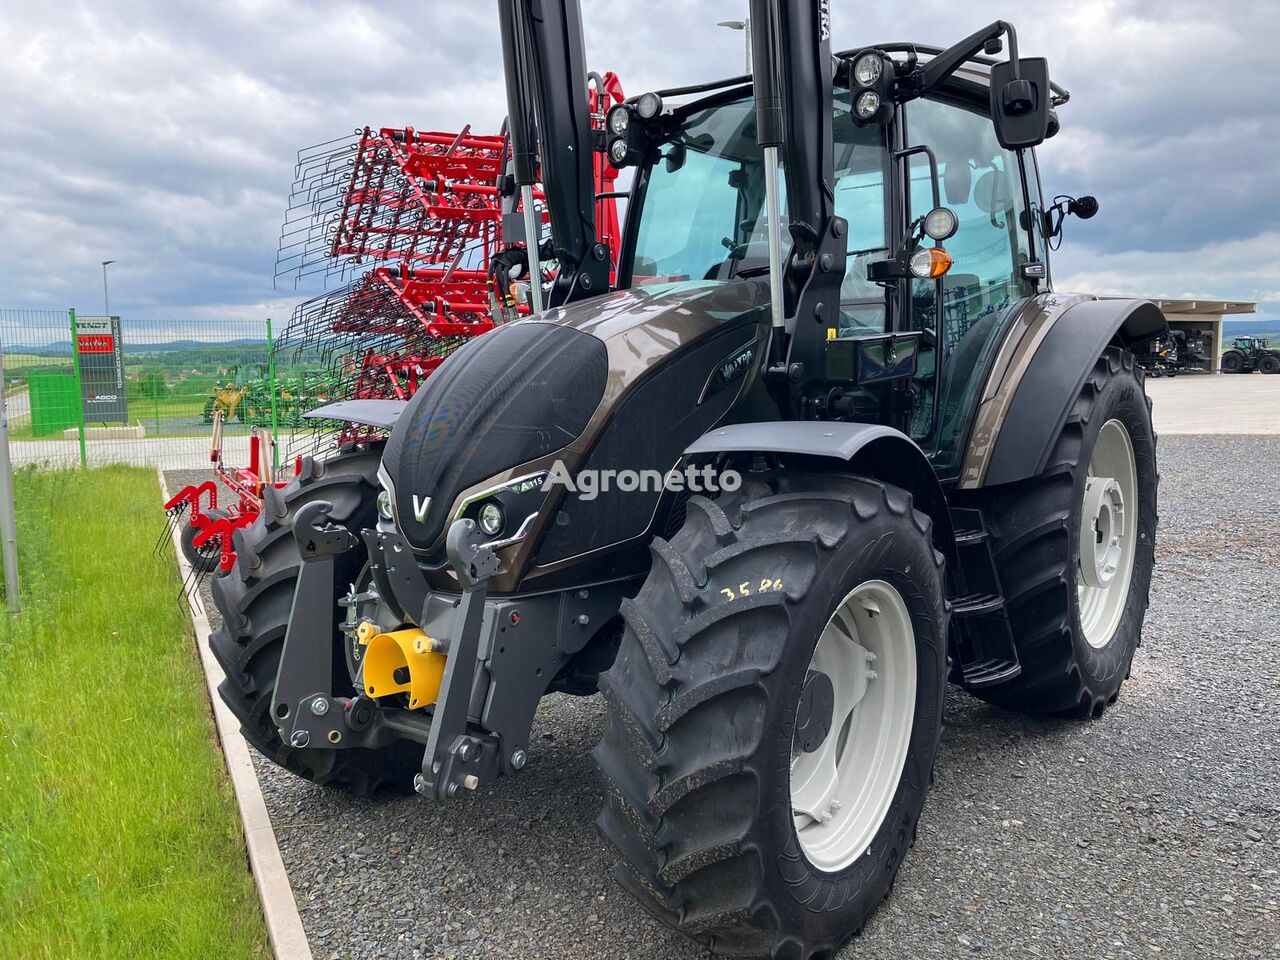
x=119, y=835
x=13, y=362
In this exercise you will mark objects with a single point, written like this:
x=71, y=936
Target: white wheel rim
x=841, y=791
x=1108, y=534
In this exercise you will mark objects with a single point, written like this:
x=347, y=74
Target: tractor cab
x=933, y=164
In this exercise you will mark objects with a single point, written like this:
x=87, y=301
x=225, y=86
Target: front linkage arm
x=304, y=679
x=454, y=759
x=303, y=705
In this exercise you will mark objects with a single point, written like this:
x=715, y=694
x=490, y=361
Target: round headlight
x=491, y=519
x=619, y=119
x=618, y=151
x=941, y=224
x=384, y=505
x=867, y=105
x=868, y=69
x=930, y=263
x=649, y=106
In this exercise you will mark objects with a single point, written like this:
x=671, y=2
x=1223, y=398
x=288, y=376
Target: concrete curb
x=284, y=924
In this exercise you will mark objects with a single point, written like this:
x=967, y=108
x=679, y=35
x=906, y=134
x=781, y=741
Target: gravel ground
x=1154, y=831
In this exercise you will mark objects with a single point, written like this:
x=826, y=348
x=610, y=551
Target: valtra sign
x=101, y=354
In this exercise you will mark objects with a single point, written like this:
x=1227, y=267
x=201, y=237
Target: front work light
x=649, y=106
x=873, y=87
x=867, y=69
x=619, y=151
x=930, y=263
x=867, y=105
x=940, y=223
x=619, y=119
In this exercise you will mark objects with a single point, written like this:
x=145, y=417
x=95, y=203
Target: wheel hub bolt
x=320, y=706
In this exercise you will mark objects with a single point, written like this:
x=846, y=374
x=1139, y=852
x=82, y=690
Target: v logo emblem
x=420, y=507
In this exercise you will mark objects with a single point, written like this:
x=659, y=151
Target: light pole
x=745, y=27
x=106, y=306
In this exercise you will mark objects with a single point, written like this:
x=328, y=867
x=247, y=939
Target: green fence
x=146, y=392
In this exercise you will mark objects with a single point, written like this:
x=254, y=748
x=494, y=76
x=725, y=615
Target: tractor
x=233, y=395
x=821, y=439
x=1247, y=354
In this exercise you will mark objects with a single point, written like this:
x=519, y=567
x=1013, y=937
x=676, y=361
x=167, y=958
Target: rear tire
x=703, y=702
x=1035, y=529
x=255, y=597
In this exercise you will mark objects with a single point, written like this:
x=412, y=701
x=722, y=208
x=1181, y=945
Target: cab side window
x=982, y=183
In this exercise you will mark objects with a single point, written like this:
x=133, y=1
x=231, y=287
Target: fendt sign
x=101, y=356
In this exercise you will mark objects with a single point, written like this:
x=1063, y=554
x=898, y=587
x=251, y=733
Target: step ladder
x=982, y=648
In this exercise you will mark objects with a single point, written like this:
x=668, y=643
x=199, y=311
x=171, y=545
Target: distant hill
x=1257, y=327
x=170, y=346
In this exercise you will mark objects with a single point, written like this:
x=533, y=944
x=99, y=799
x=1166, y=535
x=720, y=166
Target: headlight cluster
x=873, y=75
x=625, y=137
x=505, y=513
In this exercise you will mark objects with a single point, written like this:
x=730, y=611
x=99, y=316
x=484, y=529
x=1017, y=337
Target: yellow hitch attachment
x=403, y=662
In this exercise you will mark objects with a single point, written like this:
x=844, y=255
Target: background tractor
x=236, y=392
x=1247, y=354
x=888, y=454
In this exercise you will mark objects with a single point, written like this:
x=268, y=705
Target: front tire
x=1232, y=362
x=707, y=713
x=255, y=597
x=1270, y=363
x=1077, y=605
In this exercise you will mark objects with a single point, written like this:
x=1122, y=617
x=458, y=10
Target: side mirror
x=1020, y=107
x=677, y=153
x=957, y=182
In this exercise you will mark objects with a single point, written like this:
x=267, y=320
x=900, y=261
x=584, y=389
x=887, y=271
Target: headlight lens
x=867, y=105
x=868, y=69
x=491, y=519
x=649, y=106
x=384, y=505
x=618, y=151
x=940, y=224
x=618, y=120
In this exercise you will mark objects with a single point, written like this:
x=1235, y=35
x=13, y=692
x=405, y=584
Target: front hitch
x=454, y=759
x=302, y=705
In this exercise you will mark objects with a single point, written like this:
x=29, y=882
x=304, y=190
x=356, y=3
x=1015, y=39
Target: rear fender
x=867, y=449
x=1026, y=400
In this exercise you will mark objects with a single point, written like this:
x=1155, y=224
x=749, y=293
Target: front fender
x=869, y=449
x=372, y=413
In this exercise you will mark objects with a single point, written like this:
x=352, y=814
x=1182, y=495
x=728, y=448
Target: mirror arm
x=950, y=60
x=933, y=167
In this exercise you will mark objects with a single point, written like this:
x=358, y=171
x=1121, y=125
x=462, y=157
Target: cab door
x=967, y=308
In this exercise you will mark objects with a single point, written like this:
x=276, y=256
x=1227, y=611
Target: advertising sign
x=101, y=370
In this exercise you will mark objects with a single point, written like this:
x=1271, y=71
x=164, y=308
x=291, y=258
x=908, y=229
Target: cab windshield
x=702, y=215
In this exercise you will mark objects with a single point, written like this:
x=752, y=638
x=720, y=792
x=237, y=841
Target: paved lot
x=1220, y=404
x=1152, y=832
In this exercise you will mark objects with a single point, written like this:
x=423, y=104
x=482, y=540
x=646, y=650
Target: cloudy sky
x=163, y=133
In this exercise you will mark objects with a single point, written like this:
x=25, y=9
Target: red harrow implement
x=413, y=221
x=210, y=527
